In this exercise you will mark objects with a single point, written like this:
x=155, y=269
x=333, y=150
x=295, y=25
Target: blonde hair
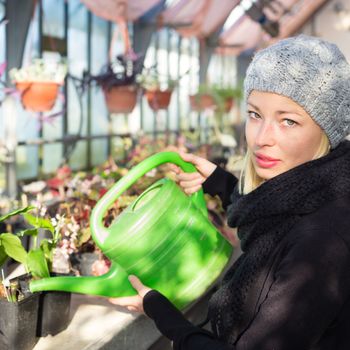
x=249, y=180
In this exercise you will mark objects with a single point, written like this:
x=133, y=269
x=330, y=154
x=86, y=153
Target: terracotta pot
x=229, y=103
x=158, y=99
x=121, y=99
x=200, y=102
x=38, y=96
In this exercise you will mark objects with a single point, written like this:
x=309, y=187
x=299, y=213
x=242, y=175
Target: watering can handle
x=98, y=230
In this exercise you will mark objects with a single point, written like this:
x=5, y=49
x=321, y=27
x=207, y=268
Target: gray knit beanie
x=313, y=73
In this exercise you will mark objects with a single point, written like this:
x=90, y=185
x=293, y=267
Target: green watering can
x=164, y=237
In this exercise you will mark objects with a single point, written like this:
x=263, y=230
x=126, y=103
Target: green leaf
x=39, y=222
x=83, y=237
x=3, y=255
x=29, y=232
x=47, y=247
x=16, y=212
x=13, y=247
x=37, y=264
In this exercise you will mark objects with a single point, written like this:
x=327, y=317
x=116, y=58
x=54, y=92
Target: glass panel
x=99, y=57
x=2, y=34
x=99, y=151
x=2, y=59
x=27, y=123
x=118, y=149
x=27, y=162
x=52, y=157
x=2, y=95
x=78, y=62
x=2, y=178
x=53, y=18
x=78, y=159
x=77, y=58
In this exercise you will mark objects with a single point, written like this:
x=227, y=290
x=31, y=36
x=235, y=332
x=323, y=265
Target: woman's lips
x=265, y=161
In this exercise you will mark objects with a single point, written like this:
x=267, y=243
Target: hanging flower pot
x=38, y=96
x=158, y=99
x=39, y=83
x=200, y=102
x=121, y=99
x=229, y=103
x=226, y=96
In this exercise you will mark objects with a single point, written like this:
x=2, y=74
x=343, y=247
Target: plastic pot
x=18, y=323
x=53, y=313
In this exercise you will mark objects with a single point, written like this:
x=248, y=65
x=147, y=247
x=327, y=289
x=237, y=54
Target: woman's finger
x=138, y=285
x=189, y=176
x=189, y=157
x=133, y=309
x=192, y=189
x=203, y=166
x=174, y=168
x=193, y=183
x=125, y=301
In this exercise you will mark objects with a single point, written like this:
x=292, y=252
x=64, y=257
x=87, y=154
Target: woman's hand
x=134, y=303
x=192, y=182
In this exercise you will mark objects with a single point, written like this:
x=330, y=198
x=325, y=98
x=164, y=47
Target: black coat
x=303, y=303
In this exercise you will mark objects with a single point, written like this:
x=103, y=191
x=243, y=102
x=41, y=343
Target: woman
x=290, y=289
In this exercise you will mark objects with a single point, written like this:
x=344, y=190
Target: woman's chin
x=267, y=173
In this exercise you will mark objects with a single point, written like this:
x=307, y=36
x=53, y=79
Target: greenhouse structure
x=101, y=101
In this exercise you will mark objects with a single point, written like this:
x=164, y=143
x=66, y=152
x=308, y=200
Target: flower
x=40, y=70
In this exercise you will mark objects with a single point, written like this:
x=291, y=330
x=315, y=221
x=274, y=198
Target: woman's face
x=280, y=134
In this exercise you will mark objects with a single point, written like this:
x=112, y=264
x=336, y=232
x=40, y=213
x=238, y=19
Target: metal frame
x=67, y=140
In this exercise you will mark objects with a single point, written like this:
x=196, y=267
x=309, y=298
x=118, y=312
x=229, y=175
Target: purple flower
x=2, y=68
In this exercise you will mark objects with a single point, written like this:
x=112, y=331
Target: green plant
x=204, y=89
x=38, y=260
x=122, y=71
x=228, y=92
x=10, y=245
x=154, y=81
x=221, y=96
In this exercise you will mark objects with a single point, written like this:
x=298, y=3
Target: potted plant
x=49, y=321
x=158, y=90
x=118, y=81
x=39, y=307
x=218, y=97
x=203, y=99
x=39, y=84
x=225, y=96
x=19, y=308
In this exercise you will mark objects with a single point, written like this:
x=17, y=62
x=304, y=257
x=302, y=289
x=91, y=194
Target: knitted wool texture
x=264, y=217
x=313, y=73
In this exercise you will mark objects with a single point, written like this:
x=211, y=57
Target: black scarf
x=263, y=217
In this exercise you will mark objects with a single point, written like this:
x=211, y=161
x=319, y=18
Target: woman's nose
x=265, y=135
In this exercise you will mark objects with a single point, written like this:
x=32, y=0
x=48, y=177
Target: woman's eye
x=289, y=122
x=253, y=115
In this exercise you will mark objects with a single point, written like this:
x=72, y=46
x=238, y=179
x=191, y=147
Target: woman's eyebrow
x=292, y=111
x=255, y=107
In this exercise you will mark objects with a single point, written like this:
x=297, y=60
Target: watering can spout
x=112, y=284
